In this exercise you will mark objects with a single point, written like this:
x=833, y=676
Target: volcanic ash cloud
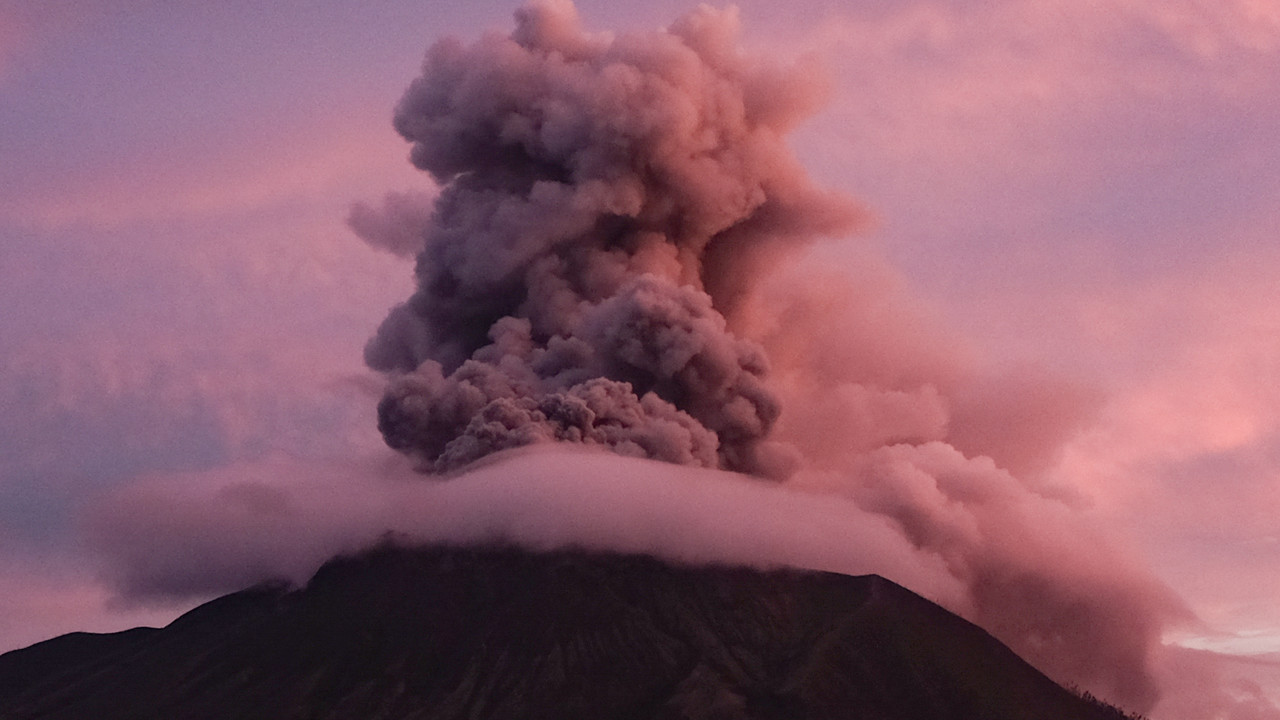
x=603, y=202
x=593, y=272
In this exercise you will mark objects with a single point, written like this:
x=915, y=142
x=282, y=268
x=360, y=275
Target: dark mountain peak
x=449, y=632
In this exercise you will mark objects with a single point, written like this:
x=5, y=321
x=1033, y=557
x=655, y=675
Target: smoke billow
x=396, y=227
x=887, y=412
x=602, y=202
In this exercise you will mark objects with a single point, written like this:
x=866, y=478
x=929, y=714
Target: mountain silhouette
x=503, y=633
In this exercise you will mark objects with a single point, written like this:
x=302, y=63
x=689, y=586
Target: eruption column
x=603, y=204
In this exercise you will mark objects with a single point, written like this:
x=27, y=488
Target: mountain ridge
x=500, y=632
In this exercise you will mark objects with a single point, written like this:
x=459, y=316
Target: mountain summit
x=498, y=633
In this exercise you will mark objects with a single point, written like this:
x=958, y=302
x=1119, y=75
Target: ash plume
x=603, y=200
x=593, y=271
x=592, y=274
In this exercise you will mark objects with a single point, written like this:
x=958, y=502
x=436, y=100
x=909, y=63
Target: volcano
x=495, y=633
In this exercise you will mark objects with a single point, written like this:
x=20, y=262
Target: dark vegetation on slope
x=504, y=633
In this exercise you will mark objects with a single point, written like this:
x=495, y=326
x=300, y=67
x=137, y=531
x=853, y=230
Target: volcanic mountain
x=447, y=632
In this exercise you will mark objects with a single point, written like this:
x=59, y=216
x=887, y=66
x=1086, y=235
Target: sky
x=1072, y=204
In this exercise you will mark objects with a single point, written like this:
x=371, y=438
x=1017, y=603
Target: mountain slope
x=503, y=633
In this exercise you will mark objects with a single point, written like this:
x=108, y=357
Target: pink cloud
x=871, y=389
x=337, y=157
x=200, y=534
x=40, y=600
x=1192, y=356
x=1203, y=684
x=1018, y=135
x=1184, y=456
x=216, y=531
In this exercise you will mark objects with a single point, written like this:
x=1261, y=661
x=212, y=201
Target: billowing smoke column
x=602, y=201
x=593, y=268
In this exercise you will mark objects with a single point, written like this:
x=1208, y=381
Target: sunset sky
x=1078, y=199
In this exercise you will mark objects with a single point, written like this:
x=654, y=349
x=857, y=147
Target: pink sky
x=1084, y=194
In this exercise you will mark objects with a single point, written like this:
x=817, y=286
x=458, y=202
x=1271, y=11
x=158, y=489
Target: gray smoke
x=603, y=204
x=397, y=227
